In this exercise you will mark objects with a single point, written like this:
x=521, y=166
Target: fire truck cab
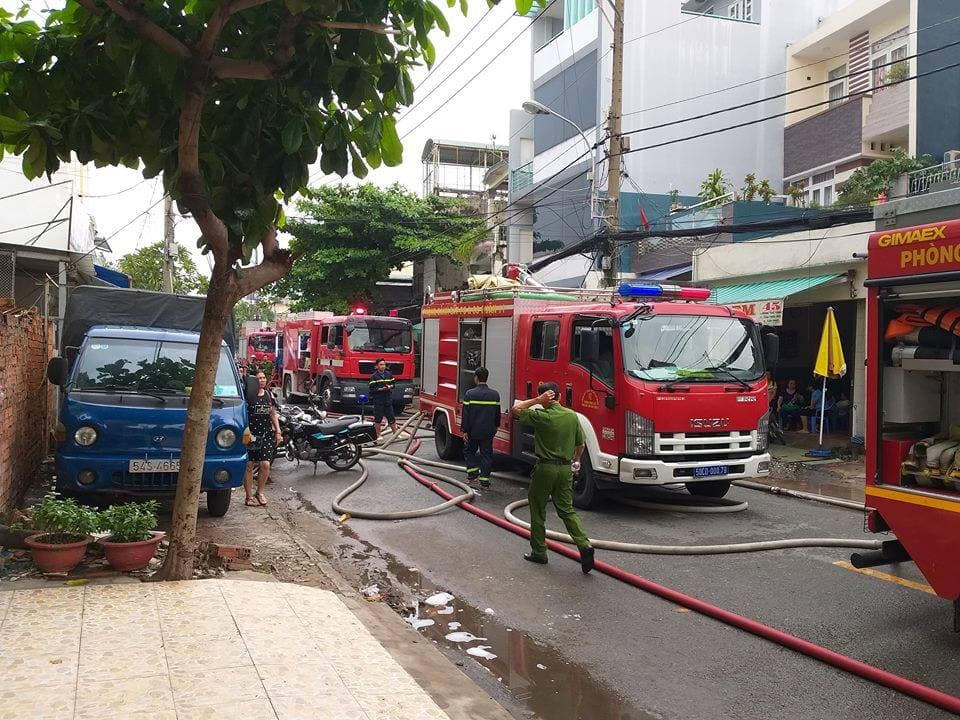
x=258, y=343
x=913, y=402
x=333, y=356
x=667, y=390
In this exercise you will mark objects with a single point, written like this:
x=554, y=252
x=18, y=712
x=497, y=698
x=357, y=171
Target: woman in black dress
x=265, y=428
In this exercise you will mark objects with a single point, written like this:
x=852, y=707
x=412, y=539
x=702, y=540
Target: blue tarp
x=113, y=277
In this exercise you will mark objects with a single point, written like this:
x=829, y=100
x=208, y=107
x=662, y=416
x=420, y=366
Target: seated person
x=789, y=404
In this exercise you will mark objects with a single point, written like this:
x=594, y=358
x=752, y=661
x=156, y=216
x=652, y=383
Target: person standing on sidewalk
x=265, y=428
x=558, y=442
x=481, y=418
x=381, y=392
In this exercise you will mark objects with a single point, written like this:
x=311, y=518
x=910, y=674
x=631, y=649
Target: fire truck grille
x=368, y=367
x=705, y=446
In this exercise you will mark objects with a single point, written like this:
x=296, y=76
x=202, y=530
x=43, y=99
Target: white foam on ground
x=462, y=637
x=440, y=599
x=480, y=651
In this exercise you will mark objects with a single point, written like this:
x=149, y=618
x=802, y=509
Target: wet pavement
x=608, y=650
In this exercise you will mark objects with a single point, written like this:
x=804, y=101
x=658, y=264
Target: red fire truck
x=913, y=401
x=333, y=356
x=261, y=344
x=668, y=390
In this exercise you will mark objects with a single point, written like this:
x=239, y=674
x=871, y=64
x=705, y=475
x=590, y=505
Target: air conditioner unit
x=952, y=158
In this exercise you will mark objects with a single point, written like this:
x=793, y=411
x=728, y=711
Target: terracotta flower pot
x=56, y=557
x=125, y=556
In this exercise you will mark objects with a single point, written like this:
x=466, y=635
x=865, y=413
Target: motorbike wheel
x=344, y=457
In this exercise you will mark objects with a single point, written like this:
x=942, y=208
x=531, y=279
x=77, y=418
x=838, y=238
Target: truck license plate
x=154, y=466
x=711, y=471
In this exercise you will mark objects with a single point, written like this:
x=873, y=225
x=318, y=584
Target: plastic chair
x=829, y=424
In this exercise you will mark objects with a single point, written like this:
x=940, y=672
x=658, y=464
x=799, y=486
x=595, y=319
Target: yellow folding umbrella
x=830, y=362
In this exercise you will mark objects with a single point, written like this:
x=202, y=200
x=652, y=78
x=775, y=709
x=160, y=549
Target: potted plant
x=65, y=529
x=133, y=539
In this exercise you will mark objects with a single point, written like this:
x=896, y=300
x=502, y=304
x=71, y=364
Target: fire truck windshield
x=263, y=343
x=691, y=348
x=379, y=336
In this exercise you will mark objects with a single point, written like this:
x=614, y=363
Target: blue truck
x=125, y=370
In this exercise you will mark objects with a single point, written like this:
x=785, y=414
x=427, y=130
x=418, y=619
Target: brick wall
x=823, y=139
x=26, y=400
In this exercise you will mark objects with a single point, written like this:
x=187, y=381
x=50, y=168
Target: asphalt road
x=572, y=647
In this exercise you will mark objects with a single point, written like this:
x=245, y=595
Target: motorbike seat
x=331, y=427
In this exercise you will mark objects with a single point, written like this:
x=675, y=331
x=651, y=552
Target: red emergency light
x=359, y=310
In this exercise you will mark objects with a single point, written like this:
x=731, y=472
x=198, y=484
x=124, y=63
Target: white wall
x=701, y=55
x=31, y=205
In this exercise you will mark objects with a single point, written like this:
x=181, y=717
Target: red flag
x=643, y=219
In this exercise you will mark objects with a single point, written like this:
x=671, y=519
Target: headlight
x=639, y=434
x=226, y=437
x=763, y=432
x=85, y=436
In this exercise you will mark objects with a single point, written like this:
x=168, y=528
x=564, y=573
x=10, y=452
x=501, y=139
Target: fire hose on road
x=512, y=524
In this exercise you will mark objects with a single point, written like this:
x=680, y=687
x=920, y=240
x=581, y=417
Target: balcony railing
x=922, y=181
x=521, y=177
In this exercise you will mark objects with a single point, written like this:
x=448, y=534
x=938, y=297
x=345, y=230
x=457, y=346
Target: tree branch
x=229, y=69
x=149, y=30
x=91, y=6
x=276, y=263
x=379, y=29
x=190, y=182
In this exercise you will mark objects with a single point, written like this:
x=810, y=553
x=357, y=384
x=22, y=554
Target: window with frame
x=544, y=339
x=336, y=336
x=324, y=335
x=837, y=90
x=741, y=10
x=886, y=54
x=603, y=367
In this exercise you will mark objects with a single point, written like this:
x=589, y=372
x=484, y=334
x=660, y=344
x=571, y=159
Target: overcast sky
x=475, y=113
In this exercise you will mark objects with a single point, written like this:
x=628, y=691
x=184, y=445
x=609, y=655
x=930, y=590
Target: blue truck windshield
x=691, y=348
x=124, y=364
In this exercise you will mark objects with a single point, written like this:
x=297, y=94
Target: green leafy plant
x=796, y=194
x=866, y=184
x=130, y=522
x=62, y=520
x=714, y=186
x=765, y=191
x=898, y=72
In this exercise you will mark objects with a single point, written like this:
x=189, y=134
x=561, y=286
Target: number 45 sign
x=765, y=312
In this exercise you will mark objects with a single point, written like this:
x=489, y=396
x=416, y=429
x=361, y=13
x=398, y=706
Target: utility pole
x=611, y=255
x=168, y=245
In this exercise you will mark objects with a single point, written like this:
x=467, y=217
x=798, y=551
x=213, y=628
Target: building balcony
x=888, y=116
x=825, y=138
x=520, y=178
x=578, y=37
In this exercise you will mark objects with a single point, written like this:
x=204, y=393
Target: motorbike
x=309, y=436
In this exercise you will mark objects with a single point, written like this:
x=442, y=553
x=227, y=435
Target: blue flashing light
x=635, y=290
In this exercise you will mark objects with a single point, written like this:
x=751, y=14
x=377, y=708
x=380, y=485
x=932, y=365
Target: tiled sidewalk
x=196, y=649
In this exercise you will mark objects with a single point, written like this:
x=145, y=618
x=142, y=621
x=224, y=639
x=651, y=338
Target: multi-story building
x=860, y=103
x=681, y=58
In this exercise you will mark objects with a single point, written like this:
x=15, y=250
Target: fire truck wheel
x=709, y=488
x=449, y=446
x=585, y=492
x=218, y=502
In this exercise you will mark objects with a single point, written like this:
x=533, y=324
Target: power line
x=31, y=190
x=118, y=192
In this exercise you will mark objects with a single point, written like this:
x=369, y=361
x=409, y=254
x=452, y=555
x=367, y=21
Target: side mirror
x=251, y=386
x=610, y=401
x=330, y=346
x=57, y=371
x=589, y=346
x=771, y=349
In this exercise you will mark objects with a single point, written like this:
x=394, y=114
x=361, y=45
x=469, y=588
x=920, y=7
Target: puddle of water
x=536, y=674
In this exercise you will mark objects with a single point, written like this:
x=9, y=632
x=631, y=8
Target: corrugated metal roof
x=768, y=290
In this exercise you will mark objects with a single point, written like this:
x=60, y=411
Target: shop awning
x=763, y=301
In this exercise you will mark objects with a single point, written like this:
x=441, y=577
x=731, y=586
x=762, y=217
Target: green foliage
x=130, y=522
x=898, y=72
x=145, y=268
x=259, y=309
x=91, y=84
x=765, y=191
x=63, y=520
x=714, y=186
x=796, y=194
x=751, y=189
x=358, y=235
x=866, y=184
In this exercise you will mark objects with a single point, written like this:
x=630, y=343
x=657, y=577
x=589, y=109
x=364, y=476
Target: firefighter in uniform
x=481, y=418
x=381, y=392
x=558, y=442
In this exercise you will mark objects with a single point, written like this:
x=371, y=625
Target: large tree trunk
x=178, y=564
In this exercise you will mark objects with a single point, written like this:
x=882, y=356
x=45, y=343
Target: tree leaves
x=391, y=149
x=292, y=136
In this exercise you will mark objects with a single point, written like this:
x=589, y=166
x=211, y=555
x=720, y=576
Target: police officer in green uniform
x=558, y=442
